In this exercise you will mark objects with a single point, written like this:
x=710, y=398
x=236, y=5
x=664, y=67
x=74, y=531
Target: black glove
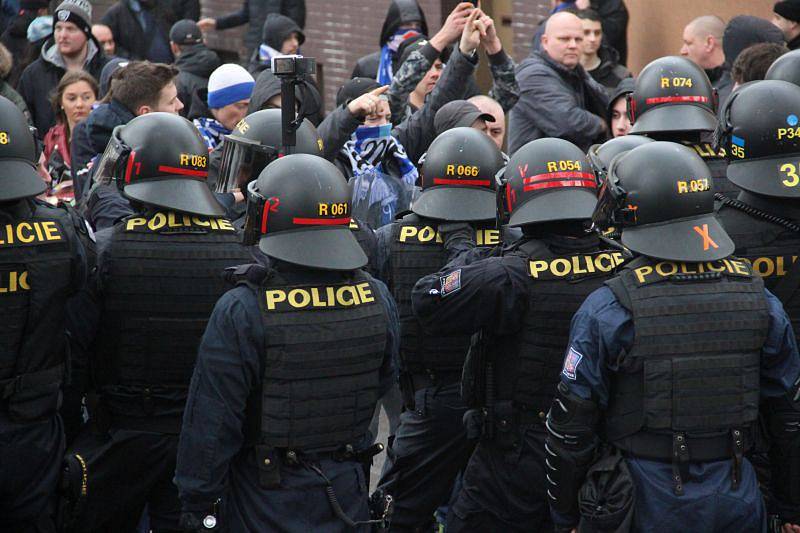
x=457, y=235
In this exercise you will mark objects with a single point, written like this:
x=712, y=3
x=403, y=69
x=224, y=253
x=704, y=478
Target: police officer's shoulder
x=600, y=302
x=251, y=275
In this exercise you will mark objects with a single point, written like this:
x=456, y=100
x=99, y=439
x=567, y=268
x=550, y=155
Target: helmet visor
x=110, y=164
x=242, y=162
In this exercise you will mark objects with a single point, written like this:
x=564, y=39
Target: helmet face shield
x=115, y=156
x=242, y=162
x=610, y=210
x=255, y=211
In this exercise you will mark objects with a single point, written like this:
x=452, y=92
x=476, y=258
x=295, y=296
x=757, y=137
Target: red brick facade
x=340, y=31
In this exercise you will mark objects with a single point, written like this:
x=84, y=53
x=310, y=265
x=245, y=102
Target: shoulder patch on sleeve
x=571, y=363
x=451, y=283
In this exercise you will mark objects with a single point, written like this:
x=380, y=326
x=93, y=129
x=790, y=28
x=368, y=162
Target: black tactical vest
x=161, y=277
x=690, y=382
x=365, y=237
x=325, y=347
x=528, y=363
x=36, y=272
x=416, y=250
x=772, y=248
x=718, y=166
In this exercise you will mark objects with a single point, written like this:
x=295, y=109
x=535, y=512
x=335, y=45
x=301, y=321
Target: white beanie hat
x=228, y=84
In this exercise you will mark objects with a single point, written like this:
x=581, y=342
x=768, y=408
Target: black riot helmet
x=672, y=94
x=759, y=127
x=299, y=211
x=19, y=155
x=160, y=159
x=661, y=196
x=254, y=143
x=601, y=155
x=458, y=177
x=548, y=180
x=786, y=68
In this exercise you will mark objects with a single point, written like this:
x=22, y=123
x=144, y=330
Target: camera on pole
x=293, y=71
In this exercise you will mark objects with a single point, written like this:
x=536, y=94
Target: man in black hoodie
x=600, y=61
x=404, y=16
x=280, y=36
x=72, y=47
x=255, y=12
x=194, y=61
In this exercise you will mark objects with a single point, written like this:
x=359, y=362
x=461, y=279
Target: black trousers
x=126, y=471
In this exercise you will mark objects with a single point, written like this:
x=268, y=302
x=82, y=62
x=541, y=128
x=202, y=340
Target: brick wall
x=340, y=31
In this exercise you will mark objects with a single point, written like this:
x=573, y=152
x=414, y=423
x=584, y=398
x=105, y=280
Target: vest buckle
x=680, y=462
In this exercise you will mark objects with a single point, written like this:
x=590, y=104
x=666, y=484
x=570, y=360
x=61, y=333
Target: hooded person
x=280, y=36
x=741, y=33
x=404, y=19
x=229, y=90
x=72, y=46
x=616, y=113
x=193, y=59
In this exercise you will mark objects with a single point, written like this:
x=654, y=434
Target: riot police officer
x=42, y=262
x=521, y=299
x=430, y=446
x=601, y=155
x=764, y=220
x=667, y=365
x=673, y=100
x=786, y=68
x=158, y=276
x=290, y=368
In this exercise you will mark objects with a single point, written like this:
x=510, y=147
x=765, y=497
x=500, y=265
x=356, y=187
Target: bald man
x=497, y=129
x=702, y=43
x=558, y=98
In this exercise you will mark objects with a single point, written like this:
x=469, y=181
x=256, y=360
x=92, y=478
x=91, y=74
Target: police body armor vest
x=690, y=381
x=163, y=276
x=772, y=248
x=417, y=250
x=36, y=269
x=528, y=364
x=325, y=345
x=718, y=166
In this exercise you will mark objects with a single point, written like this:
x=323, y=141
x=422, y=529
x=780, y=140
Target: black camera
x=294, y=66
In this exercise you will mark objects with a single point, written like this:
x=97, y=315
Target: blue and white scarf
x=388, y=53
x=266, y=53
x=213, y=131
x=367, y=150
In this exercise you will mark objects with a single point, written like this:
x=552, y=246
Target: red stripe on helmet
x=264, y=217
x=129, y=167
x=476, y=183
x=321, y=221
x=559, y=184
x=183, y=171
x=567, y=174
x=676, y=99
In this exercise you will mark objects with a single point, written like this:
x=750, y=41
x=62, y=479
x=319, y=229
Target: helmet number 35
x=792, y=173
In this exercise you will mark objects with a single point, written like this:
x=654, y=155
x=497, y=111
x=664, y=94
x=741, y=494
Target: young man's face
x=428, y=82
x=592, y=36
x=620, y=123
x=168, y=100
x=231, y=114
x=69, y=38
x=381, y=116
x=291, y=45
x=106, y=39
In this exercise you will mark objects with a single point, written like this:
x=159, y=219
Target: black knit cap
x=79, y=12
x=788, y=9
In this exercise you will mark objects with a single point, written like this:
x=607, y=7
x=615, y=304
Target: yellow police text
x=767, y=267
x=177, y=220
x=429, y=235
x=337, y=209
x=319, y=297
x=462, y=170
x=692, y=185
x=555, y=166
x=194, y=160
x=576, y=265
x=30, y=232
x=666, y=269
x=677, y=81
x=14, y=281
x=788, y=133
